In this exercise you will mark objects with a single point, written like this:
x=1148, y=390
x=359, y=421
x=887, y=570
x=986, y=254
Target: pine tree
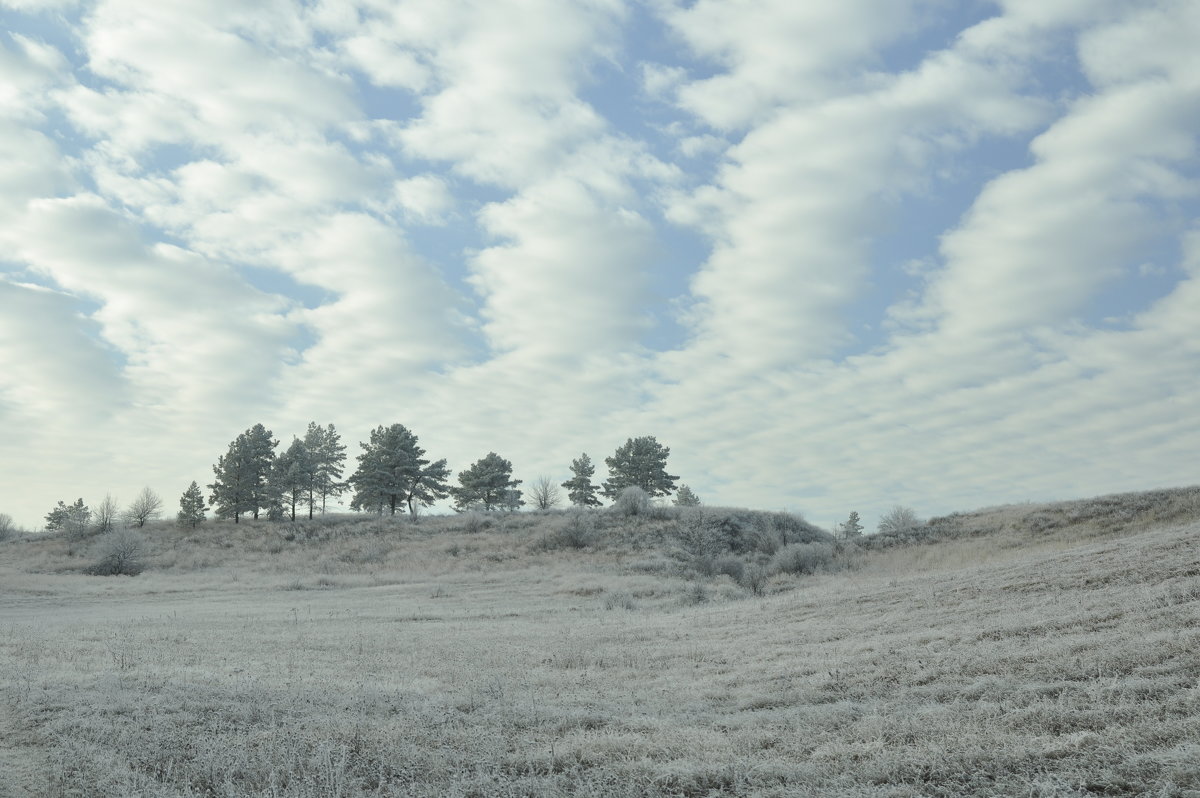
x=328, y=458
x=641, y=462
x=488, y=483
x=851, y=528
x=242, y=482
x=580, y=489
x=70, y=518
x=291, y=478
x=686, y=497
x=393, y=472
x=191, y=507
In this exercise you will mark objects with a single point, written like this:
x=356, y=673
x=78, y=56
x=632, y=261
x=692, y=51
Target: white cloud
x=778, y=52
x=425, y=198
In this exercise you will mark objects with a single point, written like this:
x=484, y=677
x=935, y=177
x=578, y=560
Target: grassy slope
x=432, y=661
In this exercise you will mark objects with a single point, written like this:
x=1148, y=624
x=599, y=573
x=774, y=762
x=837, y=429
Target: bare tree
x=106, y=514
x=544, y=493
x=7, y=528
x=146, y=507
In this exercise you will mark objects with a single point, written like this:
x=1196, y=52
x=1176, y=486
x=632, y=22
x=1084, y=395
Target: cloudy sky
x=837, y=255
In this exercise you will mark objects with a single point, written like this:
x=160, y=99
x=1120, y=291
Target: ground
x=411, y=661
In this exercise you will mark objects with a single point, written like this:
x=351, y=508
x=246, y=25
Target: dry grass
x=393, y=659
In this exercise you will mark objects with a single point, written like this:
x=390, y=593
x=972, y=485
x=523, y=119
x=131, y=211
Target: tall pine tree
x=327, y=457
x=393, y=473
x=580, y=489
x=641, y=462
x=488, y=483
x=242, y=483
x=291, y=477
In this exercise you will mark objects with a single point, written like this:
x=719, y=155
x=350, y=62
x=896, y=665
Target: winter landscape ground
x=1032, y=650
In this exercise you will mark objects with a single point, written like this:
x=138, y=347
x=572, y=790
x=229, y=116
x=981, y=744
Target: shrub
x=731, y=566
x=577, y=531
x=632, y=501
x=755, y=577
x=120, y=553
x=899, y=522
x=475, y=522
x=803, y=558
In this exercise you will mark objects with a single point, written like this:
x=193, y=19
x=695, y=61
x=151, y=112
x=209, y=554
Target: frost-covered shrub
x=803, y=558
x=121, y=552
x=632, y=501
x=577, y=531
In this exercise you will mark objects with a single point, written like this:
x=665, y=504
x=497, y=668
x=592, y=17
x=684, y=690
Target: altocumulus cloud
x=837, y=256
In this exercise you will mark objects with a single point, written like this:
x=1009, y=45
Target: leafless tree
x=7, y=527
x=106, y=514
x=146, y=507
x=544, y=493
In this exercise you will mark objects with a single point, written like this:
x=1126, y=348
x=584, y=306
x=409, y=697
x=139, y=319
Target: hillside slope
x=482, y=663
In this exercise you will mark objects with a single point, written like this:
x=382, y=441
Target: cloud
x=778, y=52
x=1039, y=242
x=796, y=203
x=424, y=198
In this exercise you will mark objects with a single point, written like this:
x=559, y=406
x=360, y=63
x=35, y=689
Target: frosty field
x=1043, y=659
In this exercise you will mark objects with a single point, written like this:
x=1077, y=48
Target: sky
x=836, y=255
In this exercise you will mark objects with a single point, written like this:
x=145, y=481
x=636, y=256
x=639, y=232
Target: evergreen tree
x=291, y=478
x=191, y=507
x=686, y=497
x=641, y=462
x=429, y=486
x=488, y=483
x=70, y=518
x=327, y=458
x=580, y=489
x=242, y=482
x=393, y=472
x=851, y=527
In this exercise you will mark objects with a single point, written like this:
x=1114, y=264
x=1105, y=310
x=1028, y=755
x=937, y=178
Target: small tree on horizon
x=686, y=497
x=580, y=490
x=488, y=483
x=641, y=462
x=851, y=528
x=543, y=493
x=146, y=507
x=106, y=515
x=72, y=519
x=191, y=507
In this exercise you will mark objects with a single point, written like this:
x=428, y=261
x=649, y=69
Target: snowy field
x=407, y=662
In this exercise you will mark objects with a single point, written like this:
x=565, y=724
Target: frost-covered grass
x=392, y=659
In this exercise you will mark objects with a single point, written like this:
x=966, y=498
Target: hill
x=545, y=654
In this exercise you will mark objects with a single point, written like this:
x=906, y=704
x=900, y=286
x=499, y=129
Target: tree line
x=256, y=478
x=394, y=475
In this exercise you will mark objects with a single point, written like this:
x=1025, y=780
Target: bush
x=803, y=558
x=577, y=531
x=121, y=553
x=475, y=522
x=899, y=522
x=632, y=501
x=755, y=577
x=731, y=566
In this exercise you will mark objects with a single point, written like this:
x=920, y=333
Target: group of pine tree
x=394, y=476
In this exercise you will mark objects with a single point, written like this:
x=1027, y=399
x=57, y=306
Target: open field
x=393, y=659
